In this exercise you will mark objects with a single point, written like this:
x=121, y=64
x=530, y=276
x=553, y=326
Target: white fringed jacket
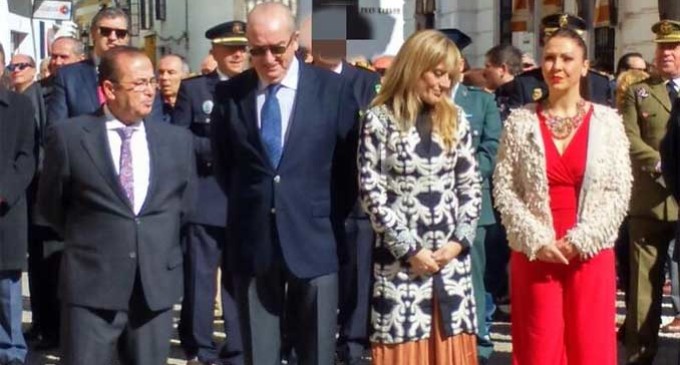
x=521, y=184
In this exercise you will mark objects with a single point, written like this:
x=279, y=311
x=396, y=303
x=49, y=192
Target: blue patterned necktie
x=672, y=92
x=270, y=120
x=125, y=172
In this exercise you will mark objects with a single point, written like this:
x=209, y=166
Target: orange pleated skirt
x=460, y=349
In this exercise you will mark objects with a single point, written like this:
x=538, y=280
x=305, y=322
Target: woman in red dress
x=562, y=185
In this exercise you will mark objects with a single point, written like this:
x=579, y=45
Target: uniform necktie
x=672, y=92
x=270, y=120
x=125, y=173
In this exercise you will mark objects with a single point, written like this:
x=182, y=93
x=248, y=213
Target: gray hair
x=78, y=46
x=185, y=65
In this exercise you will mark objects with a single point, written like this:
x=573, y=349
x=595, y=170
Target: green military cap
x=552, y=23
x=667, y=31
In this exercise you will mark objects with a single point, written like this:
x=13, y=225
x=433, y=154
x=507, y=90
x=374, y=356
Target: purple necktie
x=125, y=174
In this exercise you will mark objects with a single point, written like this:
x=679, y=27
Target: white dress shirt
x=223, y=77
x=286, y=96
x=338, y=69
x=140, y=155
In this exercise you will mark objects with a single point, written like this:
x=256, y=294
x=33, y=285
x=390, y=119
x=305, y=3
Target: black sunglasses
x=19, y=66
x=276, y=50
x=106, y=32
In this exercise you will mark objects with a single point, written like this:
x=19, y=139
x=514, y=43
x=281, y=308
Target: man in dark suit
x=75, y=90
x=482, y=113
x=204, y=236
x=17, y=163
x=356, y=256
x=44, y=245
x=282, y=138
x=116, y=185
x=532, y=86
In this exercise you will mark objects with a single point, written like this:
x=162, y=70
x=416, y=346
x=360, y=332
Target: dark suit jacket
x=291, y=209
x=17, y=166
x=106, y=244
x=74, y=93
x=364, y=83
x=192, y=111
x=534, y=88
x=485, y=124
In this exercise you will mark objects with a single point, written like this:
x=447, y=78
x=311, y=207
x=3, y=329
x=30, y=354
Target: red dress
x=564, y=314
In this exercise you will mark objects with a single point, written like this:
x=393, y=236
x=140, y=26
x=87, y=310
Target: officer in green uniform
x=533, y=88
x=653, y=211
x=481, y=111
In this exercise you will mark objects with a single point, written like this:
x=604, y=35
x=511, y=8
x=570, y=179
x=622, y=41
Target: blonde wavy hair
x=422, y=52
x=623, y=83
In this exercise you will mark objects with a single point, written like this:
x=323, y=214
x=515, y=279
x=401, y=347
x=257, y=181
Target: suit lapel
x=89, y=81
x=248, y=105
x=306, y=90
x=153, y=141
x=96, y=144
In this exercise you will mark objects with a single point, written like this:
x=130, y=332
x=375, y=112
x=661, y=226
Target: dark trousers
x=203, y=246
x=478, y=256
x=355, y=290
x=649, y=240
x=44, y=257
x=497, y=252
x=139, y=335
x=263, y=301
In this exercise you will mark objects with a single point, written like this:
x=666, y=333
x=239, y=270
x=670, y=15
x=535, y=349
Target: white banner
x=54, y=10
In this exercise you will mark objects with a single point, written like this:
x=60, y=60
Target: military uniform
x=653, y=210
x=482, y=113
x=204, y=236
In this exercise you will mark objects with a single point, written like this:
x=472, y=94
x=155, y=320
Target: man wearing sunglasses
x=284, y=146
x=18, y=165
x=204, y=236
x=75, y=90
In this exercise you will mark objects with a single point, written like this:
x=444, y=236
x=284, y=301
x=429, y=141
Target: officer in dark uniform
x=482, y=113
x=533, y=88
x=204, y=236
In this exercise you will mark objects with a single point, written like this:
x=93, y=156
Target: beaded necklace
x=562, y=127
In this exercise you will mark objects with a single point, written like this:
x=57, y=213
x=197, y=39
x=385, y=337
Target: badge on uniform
x=207, y=106
x=641, y=93
x=377, y=88
x=537, y=94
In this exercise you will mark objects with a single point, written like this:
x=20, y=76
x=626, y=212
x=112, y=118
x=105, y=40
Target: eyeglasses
x=19, y=66
x=141, y=84
x=276, y=50
x=106, y=32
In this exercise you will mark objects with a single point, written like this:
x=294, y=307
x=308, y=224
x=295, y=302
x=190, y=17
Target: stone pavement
x=500, y=332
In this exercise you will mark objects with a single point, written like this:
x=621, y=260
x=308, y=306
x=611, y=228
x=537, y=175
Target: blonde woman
x=420, y=185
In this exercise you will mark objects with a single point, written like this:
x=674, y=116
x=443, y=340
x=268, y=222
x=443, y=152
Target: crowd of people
x=339, y=212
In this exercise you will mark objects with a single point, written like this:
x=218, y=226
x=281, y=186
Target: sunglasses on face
x=106, y=32
x=19, y=66
x=276, y=50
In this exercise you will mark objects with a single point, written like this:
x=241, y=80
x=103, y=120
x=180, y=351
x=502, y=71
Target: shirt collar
x=338, y=69
x=223, y=77
x=112, y=123
x=290, y=81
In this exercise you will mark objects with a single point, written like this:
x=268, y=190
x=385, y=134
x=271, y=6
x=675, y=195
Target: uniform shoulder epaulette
x=192, y=77
x=601, y=73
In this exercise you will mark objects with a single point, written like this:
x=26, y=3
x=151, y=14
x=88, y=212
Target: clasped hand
x=559, y=252
x=426, y=262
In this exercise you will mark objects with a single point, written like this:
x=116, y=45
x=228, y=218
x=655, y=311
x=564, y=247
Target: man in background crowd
x=172, y=68
x=204, y=236
x=17, y=155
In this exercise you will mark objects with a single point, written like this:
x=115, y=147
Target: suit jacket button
x=273, y=210
x=277, y=179
x=133, y=255
x=137, y=221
